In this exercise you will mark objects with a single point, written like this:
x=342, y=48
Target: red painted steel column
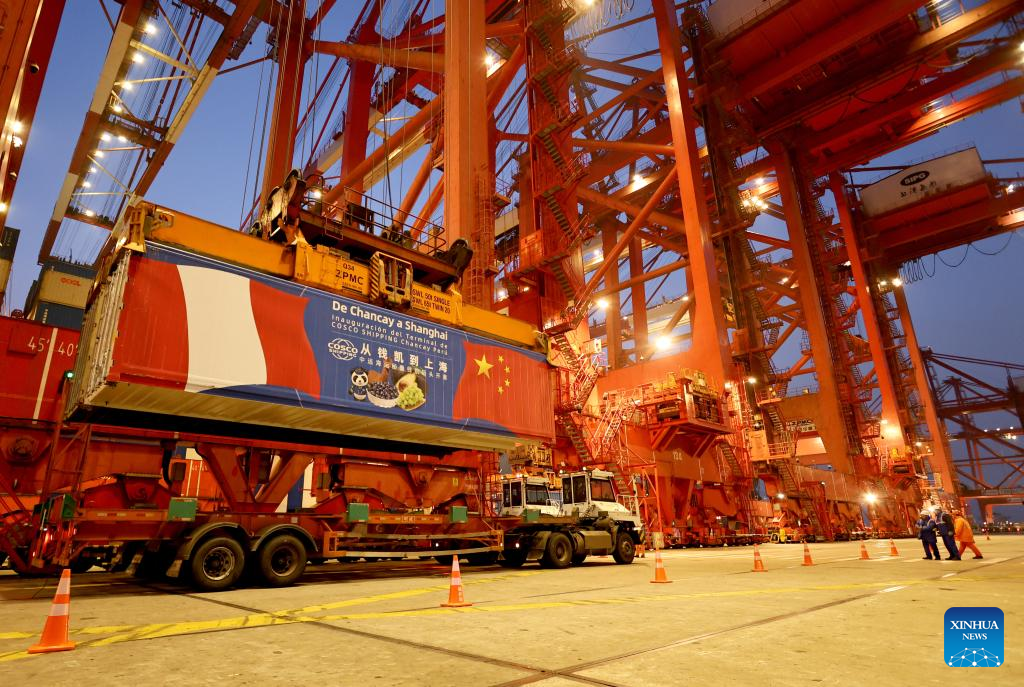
x=465, y=134
x=357, y=120
x=638, y=294
x=942, y=456
x=613, y=314
x=291, y=58
x=832, y=429
x=893, y=435
x=710, y=341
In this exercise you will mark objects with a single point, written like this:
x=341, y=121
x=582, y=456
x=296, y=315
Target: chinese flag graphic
x=508, y=388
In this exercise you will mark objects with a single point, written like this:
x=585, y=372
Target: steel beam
x=611, y=257
x=28, y=40
x=112, y=67
x=612, y=318
x=890, y=413
x=638, y=298
x=382, y=54
x=832, y=431
x=942, y=456
x=710, y=342
x=465, y=131
x=866, y=20
x=291, y=61
x=872, y=119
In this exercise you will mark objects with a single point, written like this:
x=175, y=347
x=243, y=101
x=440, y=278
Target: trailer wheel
x=578, y=558
x=282, y=560
x=82, y=564
x=625, y=549
x=512, y=558
x=558, y=553
x=216, y=564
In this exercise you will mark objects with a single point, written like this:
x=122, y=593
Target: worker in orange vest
x=964, y=534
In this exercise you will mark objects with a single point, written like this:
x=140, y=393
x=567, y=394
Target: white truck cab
x=587, y=493
x=589, y=521
x=521, y=493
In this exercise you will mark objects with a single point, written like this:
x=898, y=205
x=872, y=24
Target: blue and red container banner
x=203, y=326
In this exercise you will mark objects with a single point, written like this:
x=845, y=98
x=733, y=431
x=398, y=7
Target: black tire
x=216, y=564
x=282, y=560
x=82, y=564
x=558, y=553
x=578, y=558
x=444, y=560
x=625, y=549
x=513, y=558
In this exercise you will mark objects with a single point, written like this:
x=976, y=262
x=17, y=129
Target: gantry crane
x=686, y=204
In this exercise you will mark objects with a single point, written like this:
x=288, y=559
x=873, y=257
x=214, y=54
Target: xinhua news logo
x=974, y=637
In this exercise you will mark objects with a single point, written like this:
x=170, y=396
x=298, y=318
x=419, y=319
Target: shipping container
x=924, y=180
x=58, y=315
x=33, y=358
x=64, y=289
x=8, y=246
x=171, y=333
x=9, y=242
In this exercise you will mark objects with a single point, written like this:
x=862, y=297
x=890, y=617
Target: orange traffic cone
x=864, y=552
x=758, y=564
x=55, y=632
x=893, y=551
x=455, y=597
x=807, y=555
x=988, y=537
x=640, y=550
x=659, y=570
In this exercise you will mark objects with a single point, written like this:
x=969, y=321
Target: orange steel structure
x=727, y=322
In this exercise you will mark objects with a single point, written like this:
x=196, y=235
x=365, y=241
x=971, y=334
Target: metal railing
x=357, y=210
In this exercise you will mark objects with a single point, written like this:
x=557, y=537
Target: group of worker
x=952, y=529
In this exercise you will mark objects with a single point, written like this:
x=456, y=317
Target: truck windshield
x=601, y=490
x=574, y=489
x=513, y=494
x=579, y=489
x=536, y=495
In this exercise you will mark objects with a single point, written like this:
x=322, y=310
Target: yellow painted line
x=133, y=633
x=411, y=592
x=126, y=633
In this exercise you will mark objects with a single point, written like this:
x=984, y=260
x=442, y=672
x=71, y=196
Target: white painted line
x=892, y=589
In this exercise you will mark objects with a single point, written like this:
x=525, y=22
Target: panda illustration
x=360, y=379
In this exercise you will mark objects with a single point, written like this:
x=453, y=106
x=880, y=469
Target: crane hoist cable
x=266, y=113
x=252, y=141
